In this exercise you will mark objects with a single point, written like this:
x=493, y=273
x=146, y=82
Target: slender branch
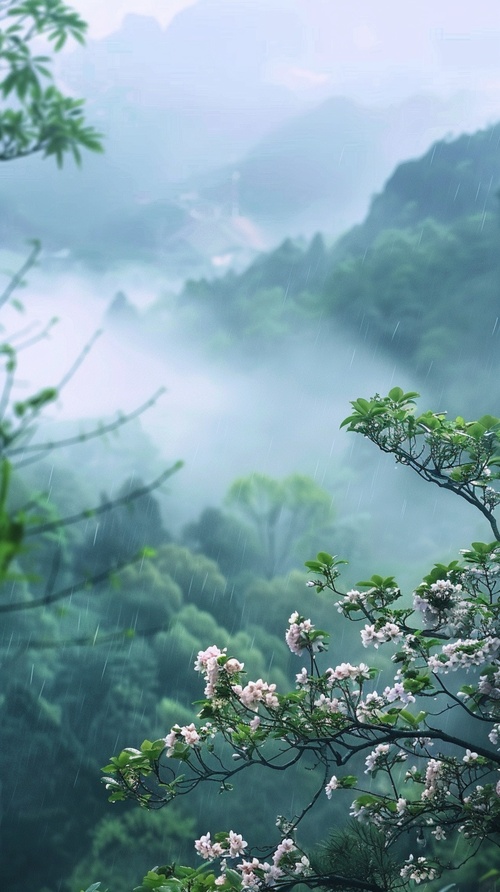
x=79, y=360
x=108, y=506
x=90, y=435
x=85, y=640
x=436, y=476
x=70, y=589
x=36, y=338
x=17, y=279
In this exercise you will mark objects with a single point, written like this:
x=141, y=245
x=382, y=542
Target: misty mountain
x=167, y=109
x=316, y=171
x=180, y=100
x=201, y=170
x=454, y=179
x=319, y=169
x=418, y=281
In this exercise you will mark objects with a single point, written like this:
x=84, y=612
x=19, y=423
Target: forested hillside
x=418, y=280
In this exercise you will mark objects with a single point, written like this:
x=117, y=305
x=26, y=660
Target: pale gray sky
x=105, y=17
x=442, y=45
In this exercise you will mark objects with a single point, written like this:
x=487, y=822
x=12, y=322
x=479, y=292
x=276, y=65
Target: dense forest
x=103, y=616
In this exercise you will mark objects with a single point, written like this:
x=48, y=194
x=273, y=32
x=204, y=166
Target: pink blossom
x=171, y=739
x=302, y=679
x=326, y=704
x=206, y=849
x=296, y=635
x=205, y=657
x=377, y=755
x=207, y=663
x=232, y=666
x=331, y=785
x=236, y=844
x=285, y=847
x=249, y=879
x=292, y=638
x=190, y=734
x=256, y=692
x=254, y=724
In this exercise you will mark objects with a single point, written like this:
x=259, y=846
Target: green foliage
x=285, y=515
x=275, y=296
x=275, y=599
x=114, y=856
x=226, y=539
x=417, y=280
x=356, y=852
x=145, y=596
x=40, y=118
x=458, y=455
x=197, y=576
x=410, y=290
x=131, y=525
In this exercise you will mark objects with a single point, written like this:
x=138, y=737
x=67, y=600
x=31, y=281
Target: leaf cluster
x=37, y=116
x=455, y=454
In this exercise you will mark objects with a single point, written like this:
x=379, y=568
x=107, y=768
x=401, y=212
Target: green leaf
x=396, y=394
x=387, y=718
x=408, y=717
x=366, y=799
x=348, y=781
x=154, y=880
x=314, y=565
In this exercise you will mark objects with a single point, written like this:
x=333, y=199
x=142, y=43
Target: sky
x=104, y=18
x=442, y=45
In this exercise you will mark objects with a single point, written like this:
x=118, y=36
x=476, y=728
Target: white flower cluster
x=351, y=599
x=332, y=785
x=397, y=692
x=469, y=757
x=302, y=679
x=418, y=870
x=370, y=706
x=377, y=757
x=297, y=635
x=375, y=702
x=465, y=653
x=387, y=632
x=433, y=779
x=287, y=859
x=491, y=499
x=329, y=705
x=363, y=815
x=494, y=735
x=346, y=670
x=438, y=833
x=445, y=603
x=480, y=808
x=188, y=734
x=489, y=684
x=256, y=692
